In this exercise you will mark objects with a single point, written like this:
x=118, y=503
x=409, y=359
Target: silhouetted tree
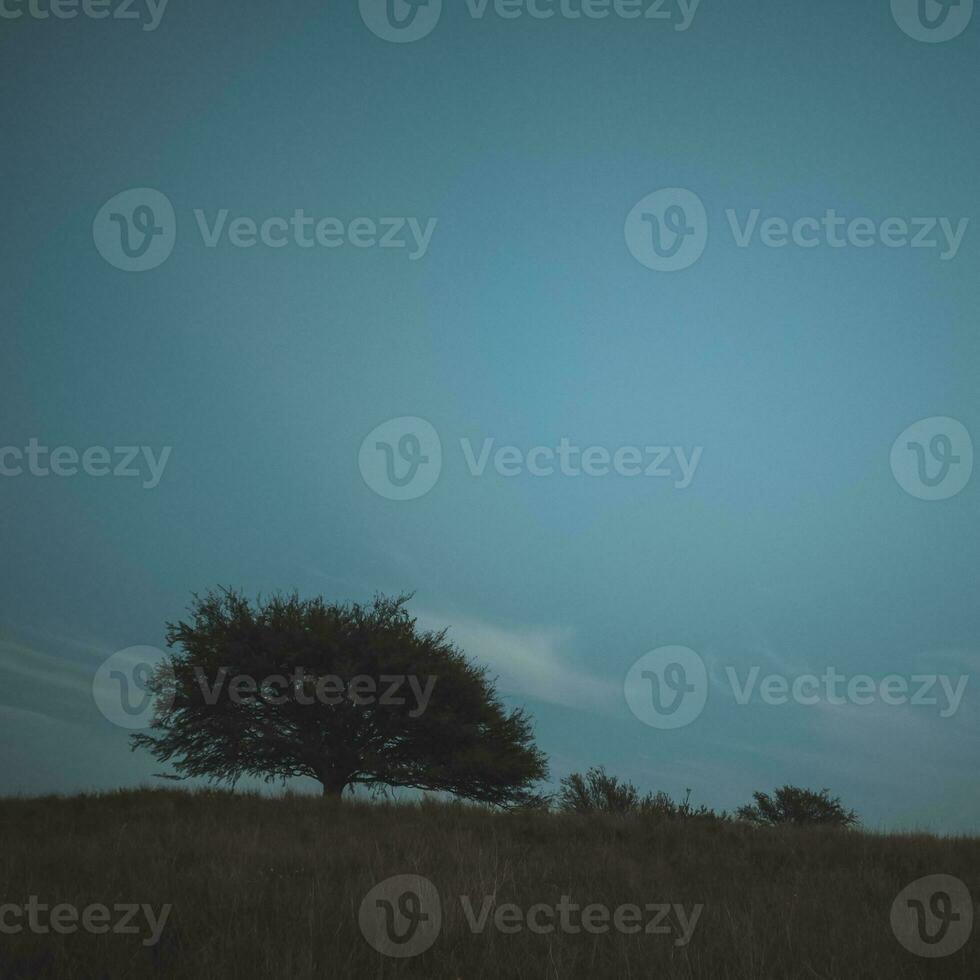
x=792, y=805
x=301, y=687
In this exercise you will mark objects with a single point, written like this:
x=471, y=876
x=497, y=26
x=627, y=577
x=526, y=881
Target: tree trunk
x=333, y=784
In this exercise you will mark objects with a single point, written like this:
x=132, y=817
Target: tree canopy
x=346, y=694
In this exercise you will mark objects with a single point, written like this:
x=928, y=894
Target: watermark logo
x=933, y=916
x=667, y=687
x=667, y=230
x=932, y=21
x=933, y=458
x=136, y=230
x=401, y=21
x=122, y=687
x=401, y=459
x=401, y=916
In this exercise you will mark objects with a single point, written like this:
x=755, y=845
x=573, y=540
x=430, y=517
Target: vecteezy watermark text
x=567, y=459
x=834, y=688
x=404, y=21
x=668, y=231
x=402, y=917
x=65, y=919
x=148, y=12
x=307, y=689
x=566, y=916
x=304, y=231
x=668, y=688
x=98, y=461
x=838, y=231
x=135, y=686
x=137, y=230
x=401, y=459
x=680, y=13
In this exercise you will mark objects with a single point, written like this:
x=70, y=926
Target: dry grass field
x=273, y=887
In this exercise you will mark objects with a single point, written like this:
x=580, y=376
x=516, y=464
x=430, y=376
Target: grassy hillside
x=263, y=887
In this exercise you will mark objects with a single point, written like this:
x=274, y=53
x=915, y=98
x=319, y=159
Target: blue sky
x=526, y=320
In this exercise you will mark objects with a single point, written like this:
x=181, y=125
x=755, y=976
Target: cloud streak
x=529, y=661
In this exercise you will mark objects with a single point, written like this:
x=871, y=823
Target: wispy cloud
x=532, y=661
x=49, y=669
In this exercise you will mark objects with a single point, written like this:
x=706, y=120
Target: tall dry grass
x=271, y=887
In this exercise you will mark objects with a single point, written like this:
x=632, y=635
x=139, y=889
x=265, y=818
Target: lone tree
x=802, y=807
x=347, y=694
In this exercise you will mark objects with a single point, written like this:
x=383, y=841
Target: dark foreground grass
x=265, y=887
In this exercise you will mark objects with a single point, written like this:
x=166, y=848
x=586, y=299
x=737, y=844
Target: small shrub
x=598, y=792
x=800, y=807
